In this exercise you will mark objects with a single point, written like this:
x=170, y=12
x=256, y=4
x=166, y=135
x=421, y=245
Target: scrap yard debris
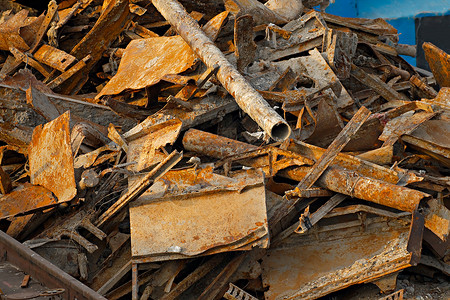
x=208, y=149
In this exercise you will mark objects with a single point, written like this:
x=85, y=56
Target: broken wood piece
x=246, y=96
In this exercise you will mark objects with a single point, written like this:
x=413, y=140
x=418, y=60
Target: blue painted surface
x=399, y=13
x=392, y=9
x=407, y=29
x=343, y=8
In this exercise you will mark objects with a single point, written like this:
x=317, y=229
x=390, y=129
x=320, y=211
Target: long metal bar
x=42, y=270
x=248, y=99
x=335, y=178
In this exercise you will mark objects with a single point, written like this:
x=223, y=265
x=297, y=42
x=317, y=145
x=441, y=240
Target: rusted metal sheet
x=25, y=199
x=75, y=69
x=439, y=62
x=245, y=95
x=54, y=57
x=437, y=219
x=261, y=13
x=403, y=125
x=150, y=60
x=338, y=254
x=19, y=31
x=318, y=69
x=431, y=137
x=51, y=160
x=145, y=146
x=109, y=25
x=206, y=208
x=5, y=182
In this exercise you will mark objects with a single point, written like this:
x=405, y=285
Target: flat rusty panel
x=439, y=63
x=334, y=256
x=145, y=151
x=54, y=57
x=25, y=199
x=18, y=31
x=201, y=212
x=51, y=161
x=149, y=60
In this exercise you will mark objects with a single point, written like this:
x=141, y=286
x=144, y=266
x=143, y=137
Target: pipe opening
x=280, y=132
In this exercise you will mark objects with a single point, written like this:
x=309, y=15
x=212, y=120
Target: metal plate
x=51, y=162
x=202, y=212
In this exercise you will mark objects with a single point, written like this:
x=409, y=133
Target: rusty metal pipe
x=335, y=178
x=248, y=99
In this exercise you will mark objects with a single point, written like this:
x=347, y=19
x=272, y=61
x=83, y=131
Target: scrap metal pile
x=209, y=149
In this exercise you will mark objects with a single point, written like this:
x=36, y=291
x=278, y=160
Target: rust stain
x=25, y=199
x=51, y=159
x=149, y=60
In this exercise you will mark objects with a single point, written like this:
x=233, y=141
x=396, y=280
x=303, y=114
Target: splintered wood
x=237, y=149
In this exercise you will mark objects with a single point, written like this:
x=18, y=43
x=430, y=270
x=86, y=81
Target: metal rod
x=248, y=99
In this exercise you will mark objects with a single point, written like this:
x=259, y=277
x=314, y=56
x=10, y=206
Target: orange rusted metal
x=347, y=174
x=200, y=213
x=431, y=137
x=245, y=95
x=338, y=253
x=149, y=60
x=19, y=31
x=439, y=62
x=51, y=160
x=25, y=199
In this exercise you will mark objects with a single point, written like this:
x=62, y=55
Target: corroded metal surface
x=54, y=57
x=51, y=160
x=431, y=137
x=150, y=60
x=200, y=213
x=19, y=31
x=25, y=199
x=439, y=62
x=244, y=94
x=300, y=267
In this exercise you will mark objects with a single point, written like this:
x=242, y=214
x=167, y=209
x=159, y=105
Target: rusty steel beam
x=248, y=99
x=42, y=270
x=335, y=178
